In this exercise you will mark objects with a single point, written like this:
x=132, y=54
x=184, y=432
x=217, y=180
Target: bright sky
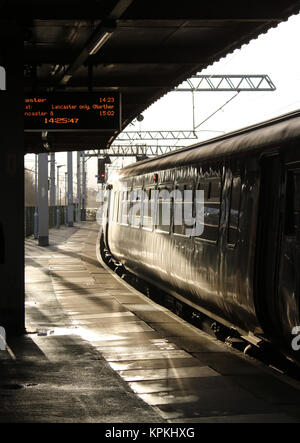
x=275, y=54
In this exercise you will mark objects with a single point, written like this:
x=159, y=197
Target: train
x=242, y=268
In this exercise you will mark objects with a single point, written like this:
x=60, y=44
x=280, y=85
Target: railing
x=86, y=215
x=29, y=218
x=28, y=221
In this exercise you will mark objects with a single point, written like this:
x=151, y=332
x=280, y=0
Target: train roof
x=253, y=138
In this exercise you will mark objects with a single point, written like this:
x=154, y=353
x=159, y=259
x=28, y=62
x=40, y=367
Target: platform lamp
x=101, y=38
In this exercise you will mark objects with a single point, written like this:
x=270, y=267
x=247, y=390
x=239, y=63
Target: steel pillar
x=83, y=187
x=70, y=190
x=43, y=236
x=78, y=215
x=12, y=180
x=52, y=179
x=36, y=210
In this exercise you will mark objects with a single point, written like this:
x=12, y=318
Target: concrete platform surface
x=98, y=351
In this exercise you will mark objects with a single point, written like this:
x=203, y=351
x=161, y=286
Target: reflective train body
x=243, y=270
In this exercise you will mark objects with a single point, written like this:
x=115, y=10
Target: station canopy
x=141, y=49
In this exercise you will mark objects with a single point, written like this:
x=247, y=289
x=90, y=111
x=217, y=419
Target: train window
x=212, y=203
x=123, y=208
x=189, y=210
x=233, y=220
x=116, y=207
x=214, y=190
x=111, y=206
x=183, y=210
x=135, y=207
x=292, y=223
x=119, y=206
x=148, y=208
x=163, y=217
x=178, y=211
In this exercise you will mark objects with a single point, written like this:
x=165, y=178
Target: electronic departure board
x=73, y=111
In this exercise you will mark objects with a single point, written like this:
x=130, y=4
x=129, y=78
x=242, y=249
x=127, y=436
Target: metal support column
x=193, y=106
x=52, y=179
x=43, y=201
x=70, y=190
x=78, y=218
x=12, y=306
x=65, y=206
x=58, y=198
x=36, y=213
x=83, y=187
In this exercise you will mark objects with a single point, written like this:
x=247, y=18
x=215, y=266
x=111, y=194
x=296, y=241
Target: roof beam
x=165, y=55
x=116, y=82
x=117, y=57
x=97, y=35
x=119, y=9
x=155, y=10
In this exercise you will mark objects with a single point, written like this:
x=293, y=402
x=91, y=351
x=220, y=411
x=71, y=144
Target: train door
x=267, y=244
x=289, y=261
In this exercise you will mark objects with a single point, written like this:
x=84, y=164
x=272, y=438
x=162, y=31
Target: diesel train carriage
x=243, y=270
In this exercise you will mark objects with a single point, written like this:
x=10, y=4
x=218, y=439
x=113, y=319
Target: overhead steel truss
x=197, y=83
x=224, y=83
x=160, y=135
x=200, y=83
x=155, y=135
x=132, y=151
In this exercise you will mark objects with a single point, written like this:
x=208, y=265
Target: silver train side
x=244, y=271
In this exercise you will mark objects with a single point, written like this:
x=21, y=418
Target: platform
x=96, y=350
